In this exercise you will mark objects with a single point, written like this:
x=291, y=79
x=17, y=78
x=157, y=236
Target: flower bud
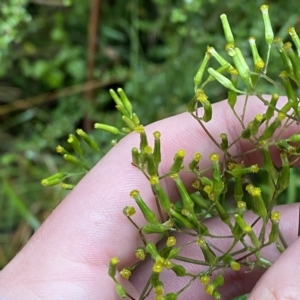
x=148, y=214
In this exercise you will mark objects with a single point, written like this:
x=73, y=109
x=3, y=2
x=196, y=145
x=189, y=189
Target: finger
x=87, y=227
x=281, y=281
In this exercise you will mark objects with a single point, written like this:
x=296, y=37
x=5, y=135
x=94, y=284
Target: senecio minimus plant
x=228, y=173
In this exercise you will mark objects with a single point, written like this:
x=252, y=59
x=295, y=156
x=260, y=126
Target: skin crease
x=67, y=258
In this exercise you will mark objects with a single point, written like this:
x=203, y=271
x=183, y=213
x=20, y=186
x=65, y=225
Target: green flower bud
x=188, y=203
x=108, y=128
x=294, y=60
x=199, y=75
x=61, y=150
x=129, y=122
x=148, y=214
x=171, y=296
x=241, y=65
x=178, y=270
x=66, y=186
x=218, y=184
x=201, y=97
x=91, y=143
x=270, y=130
x=151, y=166
x=295, y=38
x=292, y=98
x=74, y=160
x=126, y=103
x=152, y=250
x=163, y=199
x=247, y=229
x=257, y=204
x=75, y=144
x=178, y=162
x=227, y=30
x=232, y=94
x=284, y=174
x=120, y=291
x=143, y=137
x=224, y=143
x=193, y=165
x=54, y=179
x=223, y=80
x=155, y=228
x=285, y=59
x=271, y=107
x=156, y=151
x=112, y=269
x=208, y=254
x=116, y=98
x=269, y=35
x=135, y=155
x=199, y=201
x=182, y=220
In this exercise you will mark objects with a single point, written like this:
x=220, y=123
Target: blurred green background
x=58, y=59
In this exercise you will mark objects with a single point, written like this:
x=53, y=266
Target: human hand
x=68, y=257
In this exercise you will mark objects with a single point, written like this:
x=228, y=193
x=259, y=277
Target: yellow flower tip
x=139, y=129
x=232, y=166
x=134, y=193
x=259, y=117
x=241, y=204
x=210, y=50
x=154, y=180
x=201, y=242
x=201, y=96
x=171, y=241
x=174, y=175
x=214, y=157
x=260, y=64
x=247, y=229
x=235, y=266
x=70, y=139
x=140, y=254
x=264, y=8
x=230, y=48
x=44, y=182
x=197, y=156
x=148, y=149
x=209, y=289
x=251, y=40
x=157, y=267
x=283, y=74
x=167, y=264
x=249, y=187
x=129, y=211
x=254, y=168
x=292, y=31
x=234, y=71
x=125, y=273
x=114, y=261
x=255, y=191
x=205, y=279
x=180, y=153
x=159, y=290
x=60, y=149
x=275, y=216
x=156, y=134
x=281, y=116
x=208, y=189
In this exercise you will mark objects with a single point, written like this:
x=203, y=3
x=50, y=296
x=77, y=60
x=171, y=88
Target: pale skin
x=68, y=257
